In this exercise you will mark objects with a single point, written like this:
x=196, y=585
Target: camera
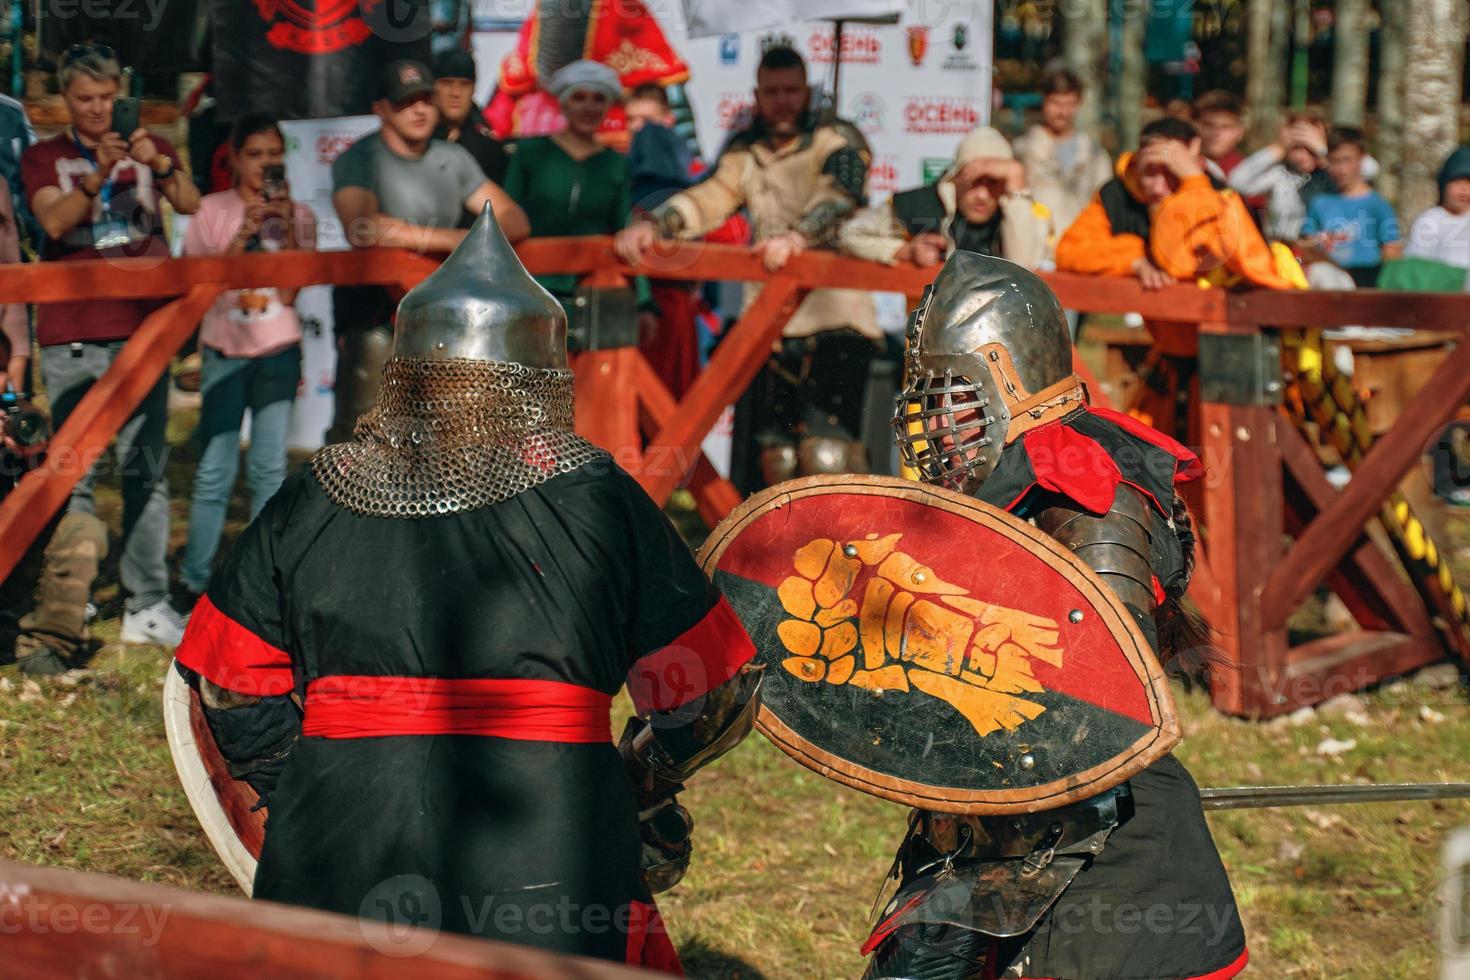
x=23, y=422
x=273, y=182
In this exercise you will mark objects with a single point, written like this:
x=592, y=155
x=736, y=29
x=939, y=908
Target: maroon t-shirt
x=61, y=162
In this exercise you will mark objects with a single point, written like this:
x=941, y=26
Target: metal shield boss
x=933, y=650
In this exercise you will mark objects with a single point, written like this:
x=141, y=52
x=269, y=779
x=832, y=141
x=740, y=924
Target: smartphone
x=124, y=115
x=273, y=182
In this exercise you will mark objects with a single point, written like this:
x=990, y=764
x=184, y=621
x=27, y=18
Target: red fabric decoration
x=707, y=655
x=649, y=945
x=230, y=656
x=624, y=36
x=343, y=706
x=1190, y=468
x=887, y=927
x=673, y=352
x=1069, y=463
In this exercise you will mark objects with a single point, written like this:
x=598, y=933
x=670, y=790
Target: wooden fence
x=1263, y=480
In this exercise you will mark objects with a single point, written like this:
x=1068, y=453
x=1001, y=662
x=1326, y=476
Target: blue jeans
x=229, y=385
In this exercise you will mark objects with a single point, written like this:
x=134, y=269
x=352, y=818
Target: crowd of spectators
x=1189, y=205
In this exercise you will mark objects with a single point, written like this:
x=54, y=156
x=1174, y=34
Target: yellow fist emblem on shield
x=916, y=632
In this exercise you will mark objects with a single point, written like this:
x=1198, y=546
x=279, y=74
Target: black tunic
x=528, y=838
x=1156, y=904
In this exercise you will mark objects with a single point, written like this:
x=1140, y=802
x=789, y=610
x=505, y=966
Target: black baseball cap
x=404, y=80
x=455, y=63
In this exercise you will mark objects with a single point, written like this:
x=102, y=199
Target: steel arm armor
x=664, y=751
x=1116, y=545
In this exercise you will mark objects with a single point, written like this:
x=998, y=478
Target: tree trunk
x=1262, y=76
x=1433, y=81
x=1085, y=49
x=1350, y=62
x=1133, y=74
x=1391, y=97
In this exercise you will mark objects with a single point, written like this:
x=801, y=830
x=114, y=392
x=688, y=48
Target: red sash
x=532, y=711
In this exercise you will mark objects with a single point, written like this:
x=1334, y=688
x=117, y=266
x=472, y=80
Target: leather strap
x=1047, y=405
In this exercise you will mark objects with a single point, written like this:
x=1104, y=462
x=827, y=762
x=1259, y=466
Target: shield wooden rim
x=220, y=802
x=1142, y=753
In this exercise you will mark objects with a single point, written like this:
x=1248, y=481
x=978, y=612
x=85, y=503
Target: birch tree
x=1393, y=22
x=1350, y=62
x=1433, y=82
x=1084, y=48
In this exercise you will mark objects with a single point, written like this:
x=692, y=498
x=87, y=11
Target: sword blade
x=1252, y=797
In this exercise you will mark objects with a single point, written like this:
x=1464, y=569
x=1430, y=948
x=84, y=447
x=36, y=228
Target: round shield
x=930, y=649
x=222, y=804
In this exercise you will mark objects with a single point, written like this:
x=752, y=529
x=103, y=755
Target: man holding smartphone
x=96, y=193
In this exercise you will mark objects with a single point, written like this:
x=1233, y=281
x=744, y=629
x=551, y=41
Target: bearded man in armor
x=800, y=174
x=1126, y=884
x=411, y=653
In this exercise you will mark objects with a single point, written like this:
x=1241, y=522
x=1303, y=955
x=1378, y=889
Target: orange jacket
x=1195, y=233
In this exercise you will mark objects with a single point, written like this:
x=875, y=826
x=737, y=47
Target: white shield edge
x=197, y=787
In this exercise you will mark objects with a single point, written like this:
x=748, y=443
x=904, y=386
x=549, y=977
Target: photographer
x=55, y=576
x=96, y=194
x=250, y=339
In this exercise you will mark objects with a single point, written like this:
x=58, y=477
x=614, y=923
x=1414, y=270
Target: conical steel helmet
x=482, y=305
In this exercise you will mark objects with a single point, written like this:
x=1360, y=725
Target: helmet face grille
x=944, y=426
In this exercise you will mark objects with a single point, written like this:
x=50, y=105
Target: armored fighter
x=993, y=410
x=411, y=653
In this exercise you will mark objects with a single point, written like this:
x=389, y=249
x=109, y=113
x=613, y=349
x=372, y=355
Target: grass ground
x=787, y=863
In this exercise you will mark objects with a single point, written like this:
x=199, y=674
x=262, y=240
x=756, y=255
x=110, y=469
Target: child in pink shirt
x=250, y=340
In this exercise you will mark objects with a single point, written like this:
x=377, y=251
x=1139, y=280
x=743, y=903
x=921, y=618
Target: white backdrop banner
x=311, y=146
x=914, y=87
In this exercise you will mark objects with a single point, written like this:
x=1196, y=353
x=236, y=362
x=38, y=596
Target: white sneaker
x=159, y=624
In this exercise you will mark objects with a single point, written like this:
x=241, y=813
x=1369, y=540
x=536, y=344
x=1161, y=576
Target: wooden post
x=735, y=363
x=1242, y=535
x=96, y=420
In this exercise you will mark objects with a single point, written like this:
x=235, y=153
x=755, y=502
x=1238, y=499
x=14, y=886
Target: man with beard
x=460, y=119
x=800, y=176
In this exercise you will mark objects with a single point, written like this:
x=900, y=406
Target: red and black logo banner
x=310, y=59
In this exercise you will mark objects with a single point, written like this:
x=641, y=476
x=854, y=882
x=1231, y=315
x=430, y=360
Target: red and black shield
x=930, y=649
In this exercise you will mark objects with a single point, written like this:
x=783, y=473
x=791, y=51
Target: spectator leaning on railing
x=1354, y=228
x=250, y=340
x=96, y=194
x=400, y=187
x=980, y=205
x=1288, y=173
x=1163, y=219
x=800, y=175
